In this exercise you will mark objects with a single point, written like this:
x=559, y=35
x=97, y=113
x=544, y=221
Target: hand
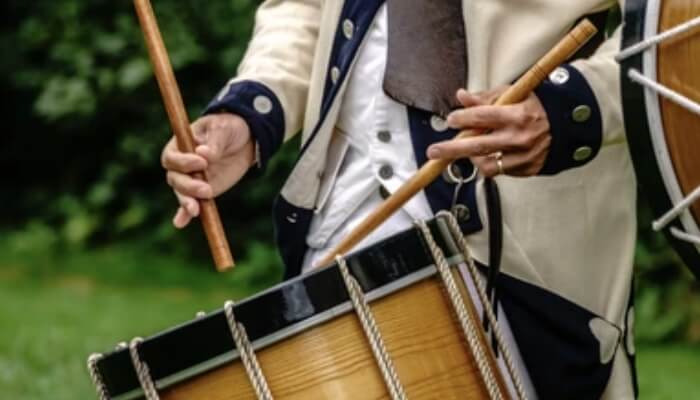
x=224, y=152
x=520, y=132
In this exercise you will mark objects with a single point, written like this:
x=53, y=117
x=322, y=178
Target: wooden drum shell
x=334, y=361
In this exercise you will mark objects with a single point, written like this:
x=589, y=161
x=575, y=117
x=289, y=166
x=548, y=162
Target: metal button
x=461, y=212
x=559, y=76
x=262, y=104
x=348, y=29
x=438, y=123
x=581, y=113
x=386, y=172
x=384, y=192
x=583, y=153
x=384, y=136
x=335, y=74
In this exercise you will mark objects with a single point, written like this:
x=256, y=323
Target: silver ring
x=460, y=180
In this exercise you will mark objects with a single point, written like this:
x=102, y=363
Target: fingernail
x=434, y=152
x=451, y=121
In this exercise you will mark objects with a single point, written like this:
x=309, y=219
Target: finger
x=189, y=186
x=472, y=146
x=186, y=163
x=182, y=218
x=511, y=162
x=211, y=154
x=488, y=117
x=190, y=204
x=468, y=99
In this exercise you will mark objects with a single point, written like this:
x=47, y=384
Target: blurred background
x=88, y=256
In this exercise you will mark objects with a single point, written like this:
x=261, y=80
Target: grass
x=54, y=311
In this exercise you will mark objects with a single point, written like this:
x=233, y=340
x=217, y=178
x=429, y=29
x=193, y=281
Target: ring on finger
x=498, y=157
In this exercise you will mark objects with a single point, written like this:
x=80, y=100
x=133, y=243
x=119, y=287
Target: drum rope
x=369, y=326
x=664, y=91
x=96, y=376
x=453, y=225
x=656, y=39
x=142, y=372
x=469, y=328
x=247, y=354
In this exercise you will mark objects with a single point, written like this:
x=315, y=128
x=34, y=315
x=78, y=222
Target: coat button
x=560, y=76
x=384, y=136
x=438, y=123
x=262, y=104
x=386, y=172
x=583, y=153
x=335, y=74
x=581, y=114
x=348, y=29
x=461, y=212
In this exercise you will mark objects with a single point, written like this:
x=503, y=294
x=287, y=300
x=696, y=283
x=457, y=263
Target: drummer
x=377, y=88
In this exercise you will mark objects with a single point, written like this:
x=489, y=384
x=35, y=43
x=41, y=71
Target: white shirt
x=371, y=148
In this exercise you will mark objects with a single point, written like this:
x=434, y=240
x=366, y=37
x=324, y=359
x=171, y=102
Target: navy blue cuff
x=574, y=117
x=261, y=109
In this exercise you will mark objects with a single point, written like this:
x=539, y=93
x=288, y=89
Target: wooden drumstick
x=180, y=124
x=518, y=92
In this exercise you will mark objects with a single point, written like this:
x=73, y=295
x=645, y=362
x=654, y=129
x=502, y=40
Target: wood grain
x=334, y=361
x=678, y=61
x=432, y=169
x=213, y=228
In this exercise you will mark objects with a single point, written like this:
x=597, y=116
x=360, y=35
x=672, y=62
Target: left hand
x=520, y=132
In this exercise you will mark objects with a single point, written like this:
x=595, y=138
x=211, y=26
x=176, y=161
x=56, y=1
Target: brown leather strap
x=427, y=53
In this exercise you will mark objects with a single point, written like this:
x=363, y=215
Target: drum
x=661, y=94
x=374, y=326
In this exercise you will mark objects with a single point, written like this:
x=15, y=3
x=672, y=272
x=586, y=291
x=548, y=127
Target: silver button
x=384, y=136
x=583, y=153
x=262, y=104
x=438, y=123
x=386, y=172
x=581, y=114
x=461, y=212
x=335, y=74
x=559, y=76
x=348, y=29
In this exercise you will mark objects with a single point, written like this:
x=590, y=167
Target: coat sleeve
x=270, y=88
x=583, y=102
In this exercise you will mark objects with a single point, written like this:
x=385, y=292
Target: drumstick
x=180, y=124
x=566, y=48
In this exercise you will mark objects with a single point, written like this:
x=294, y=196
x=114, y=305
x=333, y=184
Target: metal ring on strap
x=374, y=336
x=247, y=354
x=96, y=376
x=149, y=388
x=468, y=325
x=456, y=232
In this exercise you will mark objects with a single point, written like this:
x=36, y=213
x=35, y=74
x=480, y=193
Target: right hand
x=225, y=151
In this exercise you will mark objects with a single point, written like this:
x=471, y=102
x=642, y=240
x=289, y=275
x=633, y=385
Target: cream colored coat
x=573, y=233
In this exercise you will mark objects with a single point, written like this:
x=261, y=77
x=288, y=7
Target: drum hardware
x=374, y=336
x=652, y=72
x=96, y=376
x=250, y=361
x=142, y=372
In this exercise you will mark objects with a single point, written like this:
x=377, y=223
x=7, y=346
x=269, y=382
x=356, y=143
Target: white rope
x=247, y=354
x=149, y=388
x=677, y=210
x=483, y=297
x=654, y=40
x=469, y=327
x=96, y=376
x=664, y=91
x=685, y=236
x=374, y=336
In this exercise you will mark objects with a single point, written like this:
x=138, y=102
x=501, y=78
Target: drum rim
x=658, y=190
x=121, y=381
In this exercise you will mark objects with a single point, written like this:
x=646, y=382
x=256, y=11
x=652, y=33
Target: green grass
x=54, y=311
